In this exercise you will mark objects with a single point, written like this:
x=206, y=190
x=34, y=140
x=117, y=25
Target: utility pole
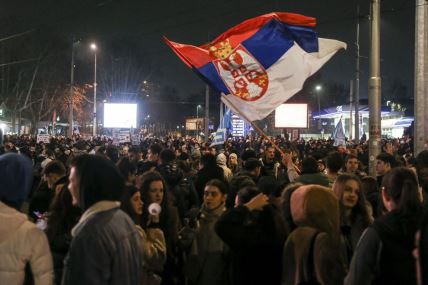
x=71, y=103
x=221, y=115
x=94, y=129
x=421, y=76
x=374, y=87
x=357, y=80
x=207, y=112
x=95, y=95
x=351, y=86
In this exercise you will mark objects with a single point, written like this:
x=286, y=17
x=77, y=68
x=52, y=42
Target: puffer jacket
x=21, y=242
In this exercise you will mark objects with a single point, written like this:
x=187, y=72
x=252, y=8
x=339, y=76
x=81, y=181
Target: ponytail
x=402, y=186
x=410, y=201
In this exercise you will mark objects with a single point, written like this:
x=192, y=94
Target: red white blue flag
x=260, y=63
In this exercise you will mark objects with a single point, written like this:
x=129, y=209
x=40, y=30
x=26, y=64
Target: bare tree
x=81, y=104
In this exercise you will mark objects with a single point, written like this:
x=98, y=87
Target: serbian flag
x=260, y=63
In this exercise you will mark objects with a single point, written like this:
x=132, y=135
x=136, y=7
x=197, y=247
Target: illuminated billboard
x=291, y=116
x=194, y=124
x=122, y=116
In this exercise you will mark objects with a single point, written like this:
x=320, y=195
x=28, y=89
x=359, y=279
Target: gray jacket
x=105, y=250
x=206, y=260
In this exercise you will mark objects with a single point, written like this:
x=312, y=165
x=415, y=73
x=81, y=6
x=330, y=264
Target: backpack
x=185, y=197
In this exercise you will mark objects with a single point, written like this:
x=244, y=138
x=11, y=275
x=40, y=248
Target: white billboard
x=194, y=124
x=291, y=116
x=120, y=115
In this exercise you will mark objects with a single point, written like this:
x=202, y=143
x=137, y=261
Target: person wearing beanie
x=233, y=163
x=21, y=242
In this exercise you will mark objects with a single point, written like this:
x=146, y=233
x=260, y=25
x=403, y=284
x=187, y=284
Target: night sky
x=132, y=31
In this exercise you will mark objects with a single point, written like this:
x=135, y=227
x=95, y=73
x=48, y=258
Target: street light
x=197, y=120
x=318, y=89
x=70, y=103
x=197, y=111
x=94, y=130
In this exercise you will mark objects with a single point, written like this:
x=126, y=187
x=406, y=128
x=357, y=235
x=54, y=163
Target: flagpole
x=260, y=131
x=221, y=115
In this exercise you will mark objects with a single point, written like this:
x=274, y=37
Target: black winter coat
x=384, y=252
x=256, y=241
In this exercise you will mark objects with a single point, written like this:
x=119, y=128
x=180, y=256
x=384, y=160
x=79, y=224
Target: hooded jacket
x=16, y=176
x=311, y=250
x=21, y=242
x=221, y=161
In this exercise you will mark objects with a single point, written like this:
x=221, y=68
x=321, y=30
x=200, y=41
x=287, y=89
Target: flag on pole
x=226, y=122
x=339, y=135
x=261, y=62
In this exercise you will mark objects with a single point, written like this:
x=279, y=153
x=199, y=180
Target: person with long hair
x=153, y=247
x=105, y=246
x=154, y=190
x=384, y=252
x=61, y=219
x=354, y=213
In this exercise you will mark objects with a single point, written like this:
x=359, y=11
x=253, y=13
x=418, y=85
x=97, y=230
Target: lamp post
x=94, y=130
x=318, y=89
x=197, y=111
x=70, y=103
x=197, y=120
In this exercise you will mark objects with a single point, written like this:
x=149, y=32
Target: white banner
x=44, y=138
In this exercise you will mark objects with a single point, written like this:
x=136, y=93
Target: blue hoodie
x=16, y=177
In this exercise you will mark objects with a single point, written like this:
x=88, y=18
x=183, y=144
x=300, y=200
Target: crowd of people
x=177, y=211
